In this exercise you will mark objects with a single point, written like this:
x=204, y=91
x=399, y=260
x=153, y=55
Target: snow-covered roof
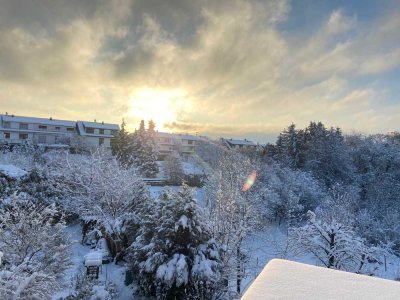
x=99, y=125
x=93, y=258
x=12, y=171
x=44, y=121
x=240, y=142
x=282, y=279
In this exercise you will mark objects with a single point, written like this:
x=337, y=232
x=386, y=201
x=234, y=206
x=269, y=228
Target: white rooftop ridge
x=44, y=121
x=282, y=279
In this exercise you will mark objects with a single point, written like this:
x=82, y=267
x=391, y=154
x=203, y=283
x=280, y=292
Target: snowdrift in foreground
x=283, y=279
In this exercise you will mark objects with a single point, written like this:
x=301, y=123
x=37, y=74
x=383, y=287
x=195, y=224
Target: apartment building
x=182, y=143
x=19, y=129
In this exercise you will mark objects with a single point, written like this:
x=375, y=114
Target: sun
x=161, y=106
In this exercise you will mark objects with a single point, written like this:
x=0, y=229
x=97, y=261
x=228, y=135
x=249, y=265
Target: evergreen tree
x=121, y=146
x=176, y=257
x=144, y=150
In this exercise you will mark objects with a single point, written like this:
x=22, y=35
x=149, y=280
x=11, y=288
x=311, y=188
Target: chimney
x=95, y=121
x=6, y=113
x=102, y=122
x=12, y=115
x=51, y=118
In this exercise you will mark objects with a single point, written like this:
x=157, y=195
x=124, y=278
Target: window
x=101, y=141
x=23, y=136
x=190, y=142
x=42, y=139
x=70, y=129
x=57, y=128
x=101, y=131
x=90, y=130
x=7, y=125
x=7, y=135
x=42, y=127
x=23, y=126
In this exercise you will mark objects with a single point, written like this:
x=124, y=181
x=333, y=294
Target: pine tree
x=176, y=257
x=144, y=150
x=121, y=146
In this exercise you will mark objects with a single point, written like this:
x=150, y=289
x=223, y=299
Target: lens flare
x=249, y=181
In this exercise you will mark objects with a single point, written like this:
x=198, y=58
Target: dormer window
x=23, y=126
x=42, y=127
x=101, y=131
x=7, y=125
x=70, y=129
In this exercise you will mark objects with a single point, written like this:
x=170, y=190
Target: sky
x=226, y=68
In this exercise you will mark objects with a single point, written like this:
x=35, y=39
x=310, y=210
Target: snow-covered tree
x=99, y=189
x=335, y=245
x=144, y=150
x=35, y=247
x=231, y=212
x=173, y=169
x=284, y=193
x=176, y=256
x=121, y=146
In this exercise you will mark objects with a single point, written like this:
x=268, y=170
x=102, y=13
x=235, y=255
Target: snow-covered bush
x=36, y=250
x=335, y=245
x=176, y=257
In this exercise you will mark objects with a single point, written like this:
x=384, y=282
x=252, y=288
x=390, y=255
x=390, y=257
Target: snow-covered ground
x=282, y=279
x=108, y=272
x=12, y=171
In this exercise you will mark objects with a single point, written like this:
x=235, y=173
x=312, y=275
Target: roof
x=163, y=134
x=177, y=136
x=99, y=125
x=21, y=119
x=239, y=142
x=282, y=279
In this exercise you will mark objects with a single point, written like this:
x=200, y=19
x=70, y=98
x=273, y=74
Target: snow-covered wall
x=282, y=279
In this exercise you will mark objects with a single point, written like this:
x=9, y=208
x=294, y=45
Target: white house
x=19, y=129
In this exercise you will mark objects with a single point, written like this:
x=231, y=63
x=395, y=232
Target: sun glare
x=162, y=106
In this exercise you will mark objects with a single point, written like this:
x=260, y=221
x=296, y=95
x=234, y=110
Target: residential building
x=19, y=129
x=182, y=143
x=239, y=144
x=97, y=134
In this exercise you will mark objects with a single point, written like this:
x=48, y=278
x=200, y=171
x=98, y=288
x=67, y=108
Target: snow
x=282, y=279
x=191, y=169
x=12, y=171
x=93, y=258
x=108, y=273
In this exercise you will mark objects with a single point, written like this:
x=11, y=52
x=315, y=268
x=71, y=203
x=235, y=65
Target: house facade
x=182, y=143
x=37, y=131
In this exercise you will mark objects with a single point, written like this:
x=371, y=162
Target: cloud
x=241, y=74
